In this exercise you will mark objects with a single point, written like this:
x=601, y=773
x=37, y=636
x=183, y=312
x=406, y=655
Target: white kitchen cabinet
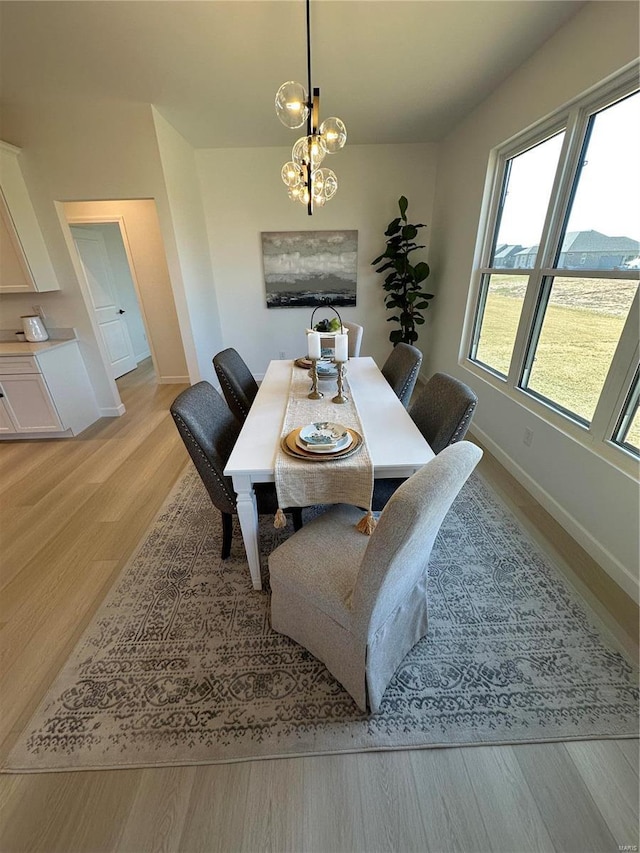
x=45, y=394
x=29, y=404
x=25, y=265
x=6, y=424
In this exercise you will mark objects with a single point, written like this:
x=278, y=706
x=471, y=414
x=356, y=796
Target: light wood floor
x=72, y=511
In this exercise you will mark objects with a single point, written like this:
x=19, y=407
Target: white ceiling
x=394, y=71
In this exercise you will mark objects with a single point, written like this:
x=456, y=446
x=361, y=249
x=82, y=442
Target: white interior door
x=104, y=300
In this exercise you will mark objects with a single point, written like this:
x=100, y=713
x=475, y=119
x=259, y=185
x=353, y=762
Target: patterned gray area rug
x=180, y=665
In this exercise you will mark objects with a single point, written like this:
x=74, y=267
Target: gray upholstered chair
x=360, y=603
x=355, y=333
x=401, y=370
x=442, y=412
x=209, y=432
x=237, y=382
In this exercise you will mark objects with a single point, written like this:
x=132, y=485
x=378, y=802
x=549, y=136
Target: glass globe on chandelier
x=303, y=176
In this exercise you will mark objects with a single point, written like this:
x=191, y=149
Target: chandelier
x=306, y=179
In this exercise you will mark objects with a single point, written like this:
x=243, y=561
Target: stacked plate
x=322, y=440
x=326, y=369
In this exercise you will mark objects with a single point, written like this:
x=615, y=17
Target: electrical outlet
x=282, y=354
x=528, y=437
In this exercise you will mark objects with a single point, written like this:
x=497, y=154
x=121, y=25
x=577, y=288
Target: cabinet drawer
x=10, y=364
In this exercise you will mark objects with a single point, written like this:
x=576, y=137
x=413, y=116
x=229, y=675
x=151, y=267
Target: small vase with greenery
x=405, y=296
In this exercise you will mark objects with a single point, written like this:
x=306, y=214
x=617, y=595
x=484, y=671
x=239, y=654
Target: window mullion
x=537, y=294
x=563, y=187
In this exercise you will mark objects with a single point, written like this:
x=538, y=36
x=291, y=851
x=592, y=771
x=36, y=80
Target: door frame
x=84, y=285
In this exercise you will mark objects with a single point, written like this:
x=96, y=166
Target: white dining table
x=396, y=446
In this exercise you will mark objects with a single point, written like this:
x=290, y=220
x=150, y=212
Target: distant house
x=589, y=250
x=505, y=255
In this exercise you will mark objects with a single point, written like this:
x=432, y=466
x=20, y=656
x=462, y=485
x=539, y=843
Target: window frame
x=575, y=120
x=627, y=413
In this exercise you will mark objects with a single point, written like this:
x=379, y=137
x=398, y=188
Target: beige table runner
x=300, y=483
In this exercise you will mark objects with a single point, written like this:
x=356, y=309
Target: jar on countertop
x=34, y=330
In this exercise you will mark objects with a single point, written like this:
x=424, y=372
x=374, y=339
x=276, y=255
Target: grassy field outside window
x=582, y=326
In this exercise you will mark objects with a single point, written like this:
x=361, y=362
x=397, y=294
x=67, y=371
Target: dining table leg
x=247, y=510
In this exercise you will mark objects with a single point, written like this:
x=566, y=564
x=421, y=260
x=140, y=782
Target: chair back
x=209, y=432
x=443, y=410
x=355, y=333
x=399, y=549
x=237, y=382
x=401, y=370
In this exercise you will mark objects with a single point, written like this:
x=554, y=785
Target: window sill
x=620, y=458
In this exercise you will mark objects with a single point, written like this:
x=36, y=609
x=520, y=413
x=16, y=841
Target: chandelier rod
x=309, y=89
x=310, y=127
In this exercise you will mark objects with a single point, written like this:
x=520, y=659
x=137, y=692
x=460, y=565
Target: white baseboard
x=112, y=411
x=610, y=564
x=173, y=380
x=20, y=436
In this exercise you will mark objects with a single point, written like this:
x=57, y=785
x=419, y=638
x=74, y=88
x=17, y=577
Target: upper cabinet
x=25, y=265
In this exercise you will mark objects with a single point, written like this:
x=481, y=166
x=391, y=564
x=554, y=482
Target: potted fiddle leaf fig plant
x=403, y=282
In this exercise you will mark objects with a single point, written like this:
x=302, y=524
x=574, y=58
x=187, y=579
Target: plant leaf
x=422, y=271
x=403, y=204
x=392, y=228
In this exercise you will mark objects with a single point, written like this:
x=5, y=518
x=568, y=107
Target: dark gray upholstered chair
x=237, y=382
x=361, y=605
x=209, y=432
x=355, y=333
x=442, y=412
x=401, y=370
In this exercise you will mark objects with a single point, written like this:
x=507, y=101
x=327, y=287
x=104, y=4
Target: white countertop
x=13, y=348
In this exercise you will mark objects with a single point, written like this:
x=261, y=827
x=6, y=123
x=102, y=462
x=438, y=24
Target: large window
x=557, y=311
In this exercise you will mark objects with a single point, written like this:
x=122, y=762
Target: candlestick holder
x=314, y=394
x=340, y=397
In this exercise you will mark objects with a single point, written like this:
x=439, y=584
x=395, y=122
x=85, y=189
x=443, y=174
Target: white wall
x=244, y=195
x=187, y=218
x=593, y=499
x=88, y=149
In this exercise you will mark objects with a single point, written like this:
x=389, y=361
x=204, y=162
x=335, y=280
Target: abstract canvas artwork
x=308, y=268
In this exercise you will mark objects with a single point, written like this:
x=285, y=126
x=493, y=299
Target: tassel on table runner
x=367, y=524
